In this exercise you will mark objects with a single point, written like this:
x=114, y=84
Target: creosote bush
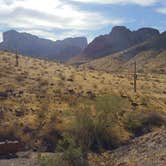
x=102, y=131
x=68, y=154
x=139, y=123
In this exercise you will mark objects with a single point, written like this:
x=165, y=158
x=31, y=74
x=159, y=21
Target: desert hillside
x=44, y=104
x=147, y=62
x=82, y=83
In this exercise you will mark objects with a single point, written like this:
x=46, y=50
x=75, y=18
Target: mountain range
x=113, y=52
x=119, y=39
x=118, y=50
x=150, y=57
x=31, y=45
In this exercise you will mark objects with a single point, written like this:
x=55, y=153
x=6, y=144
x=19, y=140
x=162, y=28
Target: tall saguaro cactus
x=17, y=59
x=135, y=77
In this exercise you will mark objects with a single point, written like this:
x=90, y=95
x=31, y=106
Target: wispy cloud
x=76, y=17
x=121, y=2
x=161, y=7
x=43, y=16
x=161, y=10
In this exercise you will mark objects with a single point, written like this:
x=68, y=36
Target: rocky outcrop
x=10, y=147
x=119, y=39
x=31, y=45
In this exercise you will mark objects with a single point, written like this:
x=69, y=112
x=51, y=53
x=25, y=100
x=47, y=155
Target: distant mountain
x=31, y=45
x=120, y=38
x=150, y=57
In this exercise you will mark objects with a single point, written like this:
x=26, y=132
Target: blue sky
x=58, y=19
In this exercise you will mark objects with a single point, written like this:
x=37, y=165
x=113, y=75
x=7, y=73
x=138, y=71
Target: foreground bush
x=68, y=154
x=71, y=151
x=102, y=131
x=139, y=123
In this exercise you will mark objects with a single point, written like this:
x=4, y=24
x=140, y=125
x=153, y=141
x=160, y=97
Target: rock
x=10, y=147
x=134, y=104
x=119, y=39
x=24, y=154
x=31, y=45
x=3, y=95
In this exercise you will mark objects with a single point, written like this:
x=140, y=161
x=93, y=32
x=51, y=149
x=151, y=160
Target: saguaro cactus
x=17, y=59
x=135, y=77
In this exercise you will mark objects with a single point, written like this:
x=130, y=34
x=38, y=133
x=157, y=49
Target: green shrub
x=102, y=131
x=111, y=104
x=72, y=153
x=68, y=154
x=139, y=123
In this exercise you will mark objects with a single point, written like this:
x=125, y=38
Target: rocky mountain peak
x=151, y=31
x=9, y=34
x=120, y=29
x=31, y=45
x=120, y=38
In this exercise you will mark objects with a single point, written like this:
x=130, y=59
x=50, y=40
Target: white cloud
x=161, y=10
x=34, y=15
x=51, y=16
x=137, y=2
x=41, y=33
